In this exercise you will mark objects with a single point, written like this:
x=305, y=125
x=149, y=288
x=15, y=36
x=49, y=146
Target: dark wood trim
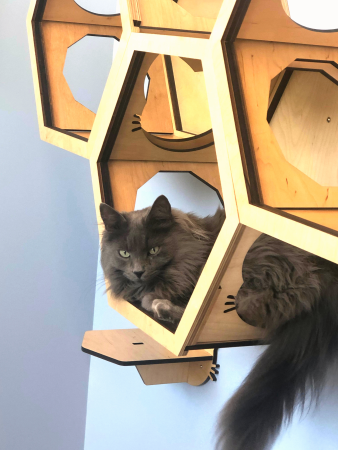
x=217, y=345
x=144, y=27
x=237, y=99
x=242, y=125
x=306, y=209
x=69, y=133
x=321, y=61
x=286, y=78
x=114, y=126
x=40, y=62
x=300, y=219
x=236, y=20
x=279, y=93
x=148, y=362
x=327, y=75
x=220, y=198
x=187, y=139
x=173, y=92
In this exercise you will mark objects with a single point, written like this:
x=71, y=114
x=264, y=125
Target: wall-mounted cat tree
x=227, y=82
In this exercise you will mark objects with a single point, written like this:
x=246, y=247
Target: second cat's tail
x=295, y=362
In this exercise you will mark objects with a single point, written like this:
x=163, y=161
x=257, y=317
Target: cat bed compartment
x=285, y=80
x=210, y=94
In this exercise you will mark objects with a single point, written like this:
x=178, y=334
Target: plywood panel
x=192, y=97
x=156, y=115
x=132, y=346
x=67, y=113
x=134, y=145
x=128, y=176
x=282, y=184
x=327, y=218
x=166, y=14
x=201, y=8
x=194, y=373
x=227, y=327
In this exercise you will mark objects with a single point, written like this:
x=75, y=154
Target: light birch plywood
x=126, y=177
x=192, y=97
x=133, y=347
x=301, y=235
x=305, y=125
x=282, y=185
x=133, y=144
x=328, y=218
x=156, y=114
x=58, y=29
x=193, y=373
x=67, y=113
x=168, y=16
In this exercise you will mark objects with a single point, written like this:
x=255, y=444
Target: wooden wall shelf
x=155, y=364
x=214, y=68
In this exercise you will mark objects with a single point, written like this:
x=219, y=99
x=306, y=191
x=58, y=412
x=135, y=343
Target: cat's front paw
x=165, y=310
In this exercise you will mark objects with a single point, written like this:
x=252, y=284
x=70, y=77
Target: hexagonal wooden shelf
x=214, y=74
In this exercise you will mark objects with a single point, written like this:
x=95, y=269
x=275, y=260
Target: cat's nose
x=139, y=274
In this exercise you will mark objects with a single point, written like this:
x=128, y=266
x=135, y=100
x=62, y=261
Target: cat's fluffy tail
x=294, y=364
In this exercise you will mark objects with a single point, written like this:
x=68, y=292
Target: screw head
x=328, y=119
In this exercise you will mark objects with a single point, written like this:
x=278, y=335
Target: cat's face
x=138, y=244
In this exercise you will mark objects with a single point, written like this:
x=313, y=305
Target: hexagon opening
x=185, y=191
x=87, y=67
x=169, y=130
x=303, y=116
x=176, y=103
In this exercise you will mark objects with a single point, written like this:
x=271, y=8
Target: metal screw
x=201, y=366
x=328, y=119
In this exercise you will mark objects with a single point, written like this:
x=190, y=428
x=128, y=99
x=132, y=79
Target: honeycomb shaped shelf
x=225, y=79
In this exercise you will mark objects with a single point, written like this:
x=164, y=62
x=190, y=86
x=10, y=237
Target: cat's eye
x=124, y=253
x=154, y=250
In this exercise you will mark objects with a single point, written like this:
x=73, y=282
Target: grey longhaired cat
x=294, y=296
x=155, y=255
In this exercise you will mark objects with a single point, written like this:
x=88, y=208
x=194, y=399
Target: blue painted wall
x=48, y=259
x=48, y=248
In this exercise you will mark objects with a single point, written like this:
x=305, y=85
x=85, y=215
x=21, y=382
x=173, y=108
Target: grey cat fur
x=294, y=296
x=169, y=277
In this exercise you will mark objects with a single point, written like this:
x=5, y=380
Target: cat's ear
x=160, y=214
x=113, y=220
